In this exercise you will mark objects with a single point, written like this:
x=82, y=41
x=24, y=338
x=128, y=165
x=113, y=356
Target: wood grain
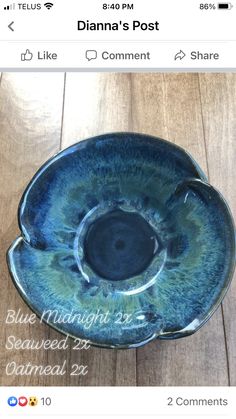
x=218, y=95
x=41, y=113
x=30, y=128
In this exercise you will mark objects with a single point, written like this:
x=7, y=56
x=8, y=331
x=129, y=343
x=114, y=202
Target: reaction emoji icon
x=12, y=401
x=22, y=401
x=33, y=401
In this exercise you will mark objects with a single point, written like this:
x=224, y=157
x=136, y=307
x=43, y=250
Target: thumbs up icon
x=27, y=56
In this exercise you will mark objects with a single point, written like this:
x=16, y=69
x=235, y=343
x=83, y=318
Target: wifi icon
x=48, y=5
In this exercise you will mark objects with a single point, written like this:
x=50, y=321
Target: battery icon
x=225, y=6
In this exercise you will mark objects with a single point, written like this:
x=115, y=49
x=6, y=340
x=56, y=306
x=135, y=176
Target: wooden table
x=42, y=113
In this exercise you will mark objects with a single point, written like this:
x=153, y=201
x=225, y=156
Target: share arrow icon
x=180, y=55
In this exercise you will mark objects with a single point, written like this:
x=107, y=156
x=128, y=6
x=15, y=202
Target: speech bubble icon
x=91, y=54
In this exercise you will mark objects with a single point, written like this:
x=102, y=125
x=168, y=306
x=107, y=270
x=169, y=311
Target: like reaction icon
x=22, y=401
x=12, y=401
x=27, y=55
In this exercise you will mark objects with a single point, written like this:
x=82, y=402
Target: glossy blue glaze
x=124, y=240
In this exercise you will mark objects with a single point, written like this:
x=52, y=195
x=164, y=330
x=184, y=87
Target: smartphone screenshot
x=117, y=208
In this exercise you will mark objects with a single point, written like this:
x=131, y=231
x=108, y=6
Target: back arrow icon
x=10, y=26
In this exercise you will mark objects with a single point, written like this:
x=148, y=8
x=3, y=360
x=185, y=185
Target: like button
x=27, y=56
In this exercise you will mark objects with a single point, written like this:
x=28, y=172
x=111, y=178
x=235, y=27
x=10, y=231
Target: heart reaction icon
x=22, y=401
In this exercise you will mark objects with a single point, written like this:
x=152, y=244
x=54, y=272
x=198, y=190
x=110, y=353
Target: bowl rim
x=202, y=179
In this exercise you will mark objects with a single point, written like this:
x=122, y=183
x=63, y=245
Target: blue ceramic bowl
x=123, y=241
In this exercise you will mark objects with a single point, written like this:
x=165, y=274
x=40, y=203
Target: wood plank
x=30, y=128
x=169, y=106
x=218, y=95
x=95, y=104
